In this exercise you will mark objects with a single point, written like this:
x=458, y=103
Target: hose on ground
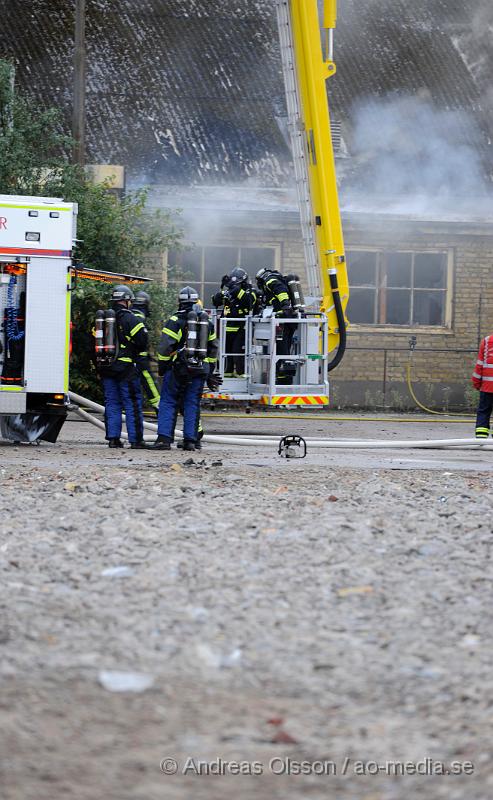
x=98, y=424
x=330, y=444
x=326, y=418
x=419, y=404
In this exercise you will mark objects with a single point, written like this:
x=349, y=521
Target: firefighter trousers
x=235, y=344
x=119, y=396
x=149, y=387
x=176, y=395
x=485, y=407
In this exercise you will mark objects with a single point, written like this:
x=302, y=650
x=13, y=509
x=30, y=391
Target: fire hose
x=270, y=441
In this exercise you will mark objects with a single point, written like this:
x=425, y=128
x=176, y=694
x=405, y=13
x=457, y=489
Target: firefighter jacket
x=172, y=342
x=239, y=302
x=132, y=340
x=277, y=294
x=482, y=377
x=142, y=359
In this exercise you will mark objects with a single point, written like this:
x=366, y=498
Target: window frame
x=204, y=285
x=381, y=289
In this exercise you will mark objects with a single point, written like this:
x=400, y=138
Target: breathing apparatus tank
x=99, y=335
x=203, y=335
x=106, y=337
x=295, y=292
x=110, y=335
x=192, y=334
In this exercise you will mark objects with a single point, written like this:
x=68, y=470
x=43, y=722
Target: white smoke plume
x=421, y=159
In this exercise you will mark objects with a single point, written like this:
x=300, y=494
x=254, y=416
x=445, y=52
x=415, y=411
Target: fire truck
x=37, y=276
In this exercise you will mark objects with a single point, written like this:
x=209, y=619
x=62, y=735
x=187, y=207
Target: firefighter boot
x=115, y=443
x=198, y=445
x=161, y=443
x=139, y=446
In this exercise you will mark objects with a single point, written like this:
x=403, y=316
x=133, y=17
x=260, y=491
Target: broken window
x=398, y=288
x=204, y=267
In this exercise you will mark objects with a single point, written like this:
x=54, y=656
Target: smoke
x=420, y=158
x=475, y=46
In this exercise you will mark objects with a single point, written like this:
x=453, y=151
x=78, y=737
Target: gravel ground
x=336, y=609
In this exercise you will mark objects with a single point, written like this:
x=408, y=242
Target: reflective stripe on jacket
x=276, y=293
x=482, y=377
x=240, y=303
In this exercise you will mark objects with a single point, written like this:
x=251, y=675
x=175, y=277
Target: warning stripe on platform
x=296, y=400
x=214, y=396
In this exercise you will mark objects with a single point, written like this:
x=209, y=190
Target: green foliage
x=397, y=400
x=114, y=233
x=87, y=297
x=471, y=396
x=32, y=143
x=429, y=393
x=117, y=233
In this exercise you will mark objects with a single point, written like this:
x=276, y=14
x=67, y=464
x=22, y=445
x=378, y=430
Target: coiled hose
x=13, y=332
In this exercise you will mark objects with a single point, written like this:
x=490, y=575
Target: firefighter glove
x=214, y=381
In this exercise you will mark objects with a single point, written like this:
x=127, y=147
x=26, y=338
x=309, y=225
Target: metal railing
x=306, y=356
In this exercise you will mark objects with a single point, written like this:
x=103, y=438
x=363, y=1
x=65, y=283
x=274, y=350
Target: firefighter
x=120, y=381
x=238, y=299
x=275, y=289
x=141, y=309
x=198, y=307
x=482, y=379
x=187, y=355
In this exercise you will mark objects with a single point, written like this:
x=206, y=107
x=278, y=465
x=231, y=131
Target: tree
x=114, y=233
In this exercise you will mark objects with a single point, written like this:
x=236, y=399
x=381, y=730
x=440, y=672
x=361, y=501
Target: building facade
x=421, y=289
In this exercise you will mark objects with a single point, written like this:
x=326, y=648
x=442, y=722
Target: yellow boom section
x=313, y=68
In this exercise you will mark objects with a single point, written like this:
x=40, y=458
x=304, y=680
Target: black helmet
x=261, y=276
x=142, y=301
x=187, y=297
x=142, y=298
x=237, y=276
x=121, y=293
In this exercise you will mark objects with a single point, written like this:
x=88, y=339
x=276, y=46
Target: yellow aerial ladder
x=306, y=67
x=321, y=331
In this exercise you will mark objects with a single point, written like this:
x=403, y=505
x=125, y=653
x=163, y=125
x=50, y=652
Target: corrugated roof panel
x=189, y=90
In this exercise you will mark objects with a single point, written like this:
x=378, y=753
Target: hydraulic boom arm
x=306, y=68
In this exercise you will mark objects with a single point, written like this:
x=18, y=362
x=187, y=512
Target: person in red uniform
x=482, y=379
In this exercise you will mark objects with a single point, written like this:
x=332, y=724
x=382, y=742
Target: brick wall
x=441, y=364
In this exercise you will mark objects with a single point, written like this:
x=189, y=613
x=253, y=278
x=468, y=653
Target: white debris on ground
x=156, y=607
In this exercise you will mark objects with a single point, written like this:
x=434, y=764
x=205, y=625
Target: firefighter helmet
x=121, y=293
x=142, y=298
x=187, y=297
x=237, y=276
x=142, y=302
x=261, y=276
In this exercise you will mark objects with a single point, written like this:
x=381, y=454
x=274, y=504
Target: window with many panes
x=203, y=267
x=399, y=288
